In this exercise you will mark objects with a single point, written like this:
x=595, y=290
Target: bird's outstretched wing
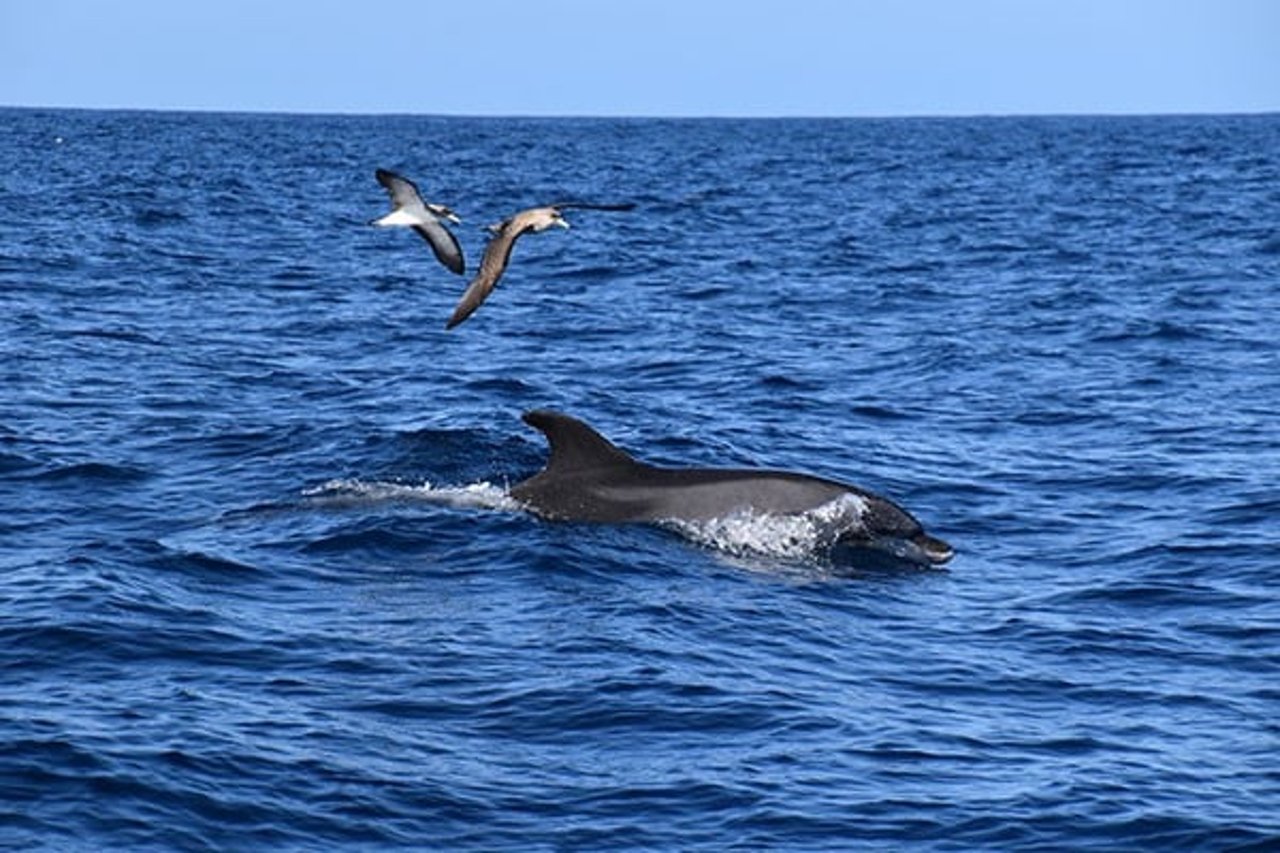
x=444, y=244
x=588, y=205
x=403, y=192
x=494, y=263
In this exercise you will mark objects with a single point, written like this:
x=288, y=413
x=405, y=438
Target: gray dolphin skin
x=589, y=479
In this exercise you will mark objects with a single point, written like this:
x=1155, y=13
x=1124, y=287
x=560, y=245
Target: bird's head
x=445, y=213
x=546, y=217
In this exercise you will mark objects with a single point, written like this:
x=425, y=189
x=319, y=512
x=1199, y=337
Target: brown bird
x=498, y=253
x=408, y=209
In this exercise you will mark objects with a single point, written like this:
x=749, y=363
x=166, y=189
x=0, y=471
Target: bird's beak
x=454, y=218
x=562, y=223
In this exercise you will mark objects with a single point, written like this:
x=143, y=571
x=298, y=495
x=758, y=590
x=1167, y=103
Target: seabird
x=408, y=209
x=498, y=253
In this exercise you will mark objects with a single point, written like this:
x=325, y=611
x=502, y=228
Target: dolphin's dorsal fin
x=574, y=445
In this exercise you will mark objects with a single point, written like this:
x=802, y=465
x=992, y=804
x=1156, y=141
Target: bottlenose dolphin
x=589, y=479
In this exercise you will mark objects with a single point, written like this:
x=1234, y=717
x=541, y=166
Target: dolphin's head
x=887, y=528
x=922, y=551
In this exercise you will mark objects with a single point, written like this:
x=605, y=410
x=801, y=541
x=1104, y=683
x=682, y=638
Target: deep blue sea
x=261, y=586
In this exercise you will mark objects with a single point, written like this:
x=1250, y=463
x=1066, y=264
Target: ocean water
x=261, y=586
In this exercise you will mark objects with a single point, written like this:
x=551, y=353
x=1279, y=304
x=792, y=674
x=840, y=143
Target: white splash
x=482, y=495
x=797, y=536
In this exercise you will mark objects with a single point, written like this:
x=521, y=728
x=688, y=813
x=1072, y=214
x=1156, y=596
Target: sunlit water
x=262, y=585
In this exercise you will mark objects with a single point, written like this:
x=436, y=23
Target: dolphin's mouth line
x=932, y=553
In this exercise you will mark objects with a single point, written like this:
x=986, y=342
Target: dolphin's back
x=590, y=479
x=700, y=494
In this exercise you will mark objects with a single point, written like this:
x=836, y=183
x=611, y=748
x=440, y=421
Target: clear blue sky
x=645, y=57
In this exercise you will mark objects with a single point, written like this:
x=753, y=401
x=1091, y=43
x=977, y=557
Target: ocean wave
x=101, y=473
x=348, y=492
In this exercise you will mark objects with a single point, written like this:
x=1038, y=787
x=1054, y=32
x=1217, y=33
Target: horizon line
x=646, y=116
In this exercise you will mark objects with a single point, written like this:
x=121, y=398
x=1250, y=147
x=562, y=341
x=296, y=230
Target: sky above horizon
x=651, y=58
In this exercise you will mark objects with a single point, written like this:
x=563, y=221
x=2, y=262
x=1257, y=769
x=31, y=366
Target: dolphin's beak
x=562, y=223
x=921, y=550
x=934, y=550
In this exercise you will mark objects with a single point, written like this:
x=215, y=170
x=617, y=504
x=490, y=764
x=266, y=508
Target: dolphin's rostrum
x=589, y=479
